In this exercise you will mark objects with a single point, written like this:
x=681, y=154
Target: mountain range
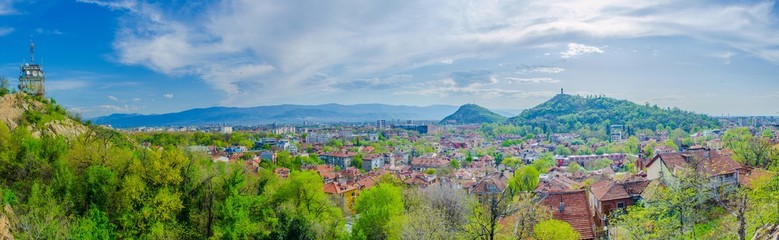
x=287, y=113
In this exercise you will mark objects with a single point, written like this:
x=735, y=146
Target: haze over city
x=132, y=56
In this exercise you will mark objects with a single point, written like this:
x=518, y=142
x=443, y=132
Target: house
x=424, y=163
x=572, y=207
x=607, y=196
x=489, y=187
x=350, y=174
x=282, y=172
x=482, y=162
x=721, y=169
x=421, y=180
x=344, y=195
x=557, y=183
x=529, y=156
x=268, y=156
x=373, y=162
x=337, y=158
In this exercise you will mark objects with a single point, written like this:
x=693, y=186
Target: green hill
x=564, y=113
x=473, y=114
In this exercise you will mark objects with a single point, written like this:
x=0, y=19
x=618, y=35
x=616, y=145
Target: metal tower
x=31, y=77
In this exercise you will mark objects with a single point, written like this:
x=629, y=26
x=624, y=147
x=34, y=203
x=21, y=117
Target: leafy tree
x=284, y=159
x=598, y=164
x=767, y=133
x=554, y=230
x=512, y=162
x=302, y=194
x=4, y=86
x=357, y=161
x=749, y=150
x=562, y=150
x=381, y=212
x=544, y=162
x=100, y=183
x=525, y=179
x=574, y=167
x=95, y=226
x=454, y=164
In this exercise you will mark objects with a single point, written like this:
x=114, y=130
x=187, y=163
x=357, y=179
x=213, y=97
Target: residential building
x=608, y=196
x=572, y=207
x=337, y=158
x=344, y=195
x=373, y=162
x=489, y=187
x=720, y=168
x=424, y=163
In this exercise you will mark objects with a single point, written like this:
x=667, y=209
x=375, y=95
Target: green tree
x=95, y=225
x=554, y=230
x=4, y=86
x=284, y=159
x=302, y=194
x=100, y=183
x=562, y=150
x=574, y=167
x=544, y=162
x=381, y=212
x=598, y=164
x=357, y=161
x=525, y=179
x=512, y=162
x=454, y=164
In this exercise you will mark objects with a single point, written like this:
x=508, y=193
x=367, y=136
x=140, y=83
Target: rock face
x=11, y=109
x=14, y=106
x=5, y=224
x=768, y=231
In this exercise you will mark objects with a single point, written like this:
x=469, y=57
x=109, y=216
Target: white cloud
x=388, y=37
x=137, y=99
x=531, y=80
x=725, y=56
x=6, y=7
x=524, y=69
x=112, y=98
x=448, y=87
x=5, y=30
x=115, y=108
x=168, y=95
x=575, y=50
x=447, y=61
x=64, y=85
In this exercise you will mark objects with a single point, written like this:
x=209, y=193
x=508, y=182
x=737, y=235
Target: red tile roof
x=337, y=188
x=713, y=163
x=576, y=211
x=608, y=190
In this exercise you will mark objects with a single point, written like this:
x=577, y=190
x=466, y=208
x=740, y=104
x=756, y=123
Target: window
x=620, y=205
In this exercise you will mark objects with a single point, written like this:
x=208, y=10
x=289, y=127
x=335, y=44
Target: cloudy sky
x=135, y=56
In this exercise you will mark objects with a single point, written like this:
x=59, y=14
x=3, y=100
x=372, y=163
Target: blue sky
x=134, y=56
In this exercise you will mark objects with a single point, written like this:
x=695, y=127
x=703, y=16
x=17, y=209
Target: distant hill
x=279, y=114
x=565, y=113
x=473, y=114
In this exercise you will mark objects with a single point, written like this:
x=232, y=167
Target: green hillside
x=473, y=114
x=565, y=113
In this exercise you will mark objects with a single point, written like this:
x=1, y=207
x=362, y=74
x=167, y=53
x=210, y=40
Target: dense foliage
x=568, y=113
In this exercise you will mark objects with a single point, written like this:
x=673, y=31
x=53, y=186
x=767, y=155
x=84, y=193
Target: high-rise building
x=31, y=77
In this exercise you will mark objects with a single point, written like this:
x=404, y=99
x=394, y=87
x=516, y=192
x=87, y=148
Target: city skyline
x=104, y=57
